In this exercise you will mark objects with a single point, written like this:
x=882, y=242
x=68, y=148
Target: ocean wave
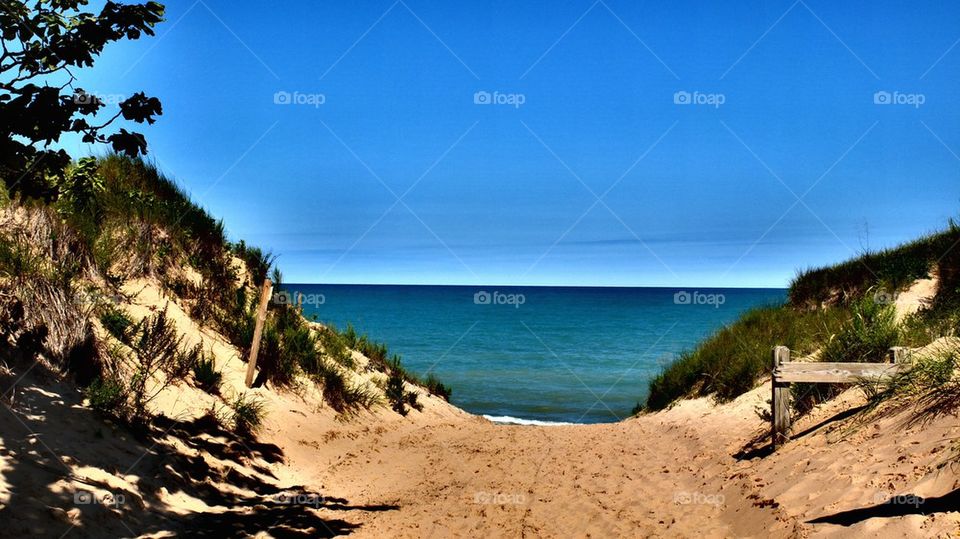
x=508, y=420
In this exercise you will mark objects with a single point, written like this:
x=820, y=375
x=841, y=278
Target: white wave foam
x=508, y=420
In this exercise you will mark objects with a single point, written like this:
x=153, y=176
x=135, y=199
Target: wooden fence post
x=258, y=330
x=897, y=354
x=780, y=416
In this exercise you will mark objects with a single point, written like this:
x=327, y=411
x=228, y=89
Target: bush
x=248, y=414
x=161, y=360
x=339, y=394
x=258, y=262
x=396, y=394
x=107, y=396
x=206, y=376
x=336, y=346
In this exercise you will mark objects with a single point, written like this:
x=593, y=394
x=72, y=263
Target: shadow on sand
x=896, y=506
x=47, y=437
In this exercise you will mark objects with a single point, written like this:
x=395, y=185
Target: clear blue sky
x=691, y=194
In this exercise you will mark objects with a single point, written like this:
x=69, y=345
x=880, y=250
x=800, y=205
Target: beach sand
x=696, y=470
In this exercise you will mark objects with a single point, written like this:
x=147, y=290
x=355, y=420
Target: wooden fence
x=786, y=372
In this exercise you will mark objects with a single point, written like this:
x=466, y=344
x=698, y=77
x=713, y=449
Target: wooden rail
x=786, y=372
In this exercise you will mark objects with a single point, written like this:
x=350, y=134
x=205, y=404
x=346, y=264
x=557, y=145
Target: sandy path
x=672, y=474
x=463, y=476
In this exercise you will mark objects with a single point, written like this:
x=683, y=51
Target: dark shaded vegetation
x=44, y=43
x=206, y=375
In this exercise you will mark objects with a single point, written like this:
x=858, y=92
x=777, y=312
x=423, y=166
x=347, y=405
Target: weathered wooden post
x=258, y=330
x=780, y=416
x=897, y=354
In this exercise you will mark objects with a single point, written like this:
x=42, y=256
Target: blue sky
x=586, y=171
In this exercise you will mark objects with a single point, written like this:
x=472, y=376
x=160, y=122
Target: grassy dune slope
x=844, y=312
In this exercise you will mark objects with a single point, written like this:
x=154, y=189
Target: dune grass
x=931, y=388
x=889, y=270
x=867, y=336
x=844, y=311
x=729, y=362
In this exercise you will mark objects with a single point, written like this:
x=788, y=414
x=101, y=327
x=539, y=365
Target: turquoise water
x=557, y=354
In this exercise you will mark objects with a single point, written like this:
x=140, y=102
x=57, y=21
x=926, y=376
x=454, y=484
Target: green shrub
x=206, y=375
x=107, y=396
x=350, y=336
x=339, y=393
x=248, y=414
x=396, y=394
x=160, y=358
x=258, y=262
x=336, y=347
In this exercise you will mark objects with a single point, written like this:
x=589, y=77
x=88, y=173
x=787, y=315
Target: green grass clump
x=931, y=386
x=397, y=395
x=207, y=377
x=258, y=262
x=436, y=387
x=248, y=414
x=336, y=347
x=867, y=336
